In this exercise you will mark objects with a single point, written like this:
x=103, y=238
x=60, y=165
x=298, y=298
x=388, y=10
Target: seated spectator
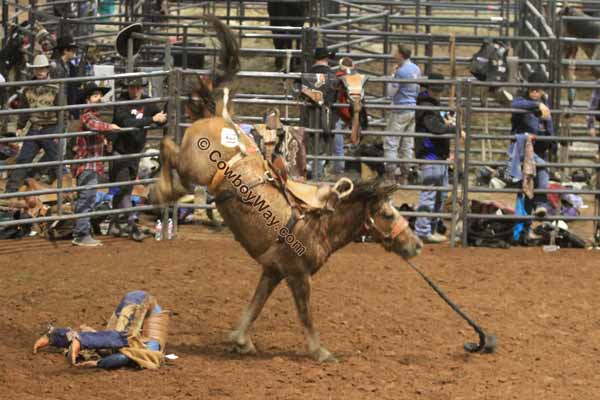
x=536, y=121
x=41, y=123
x=90, y=172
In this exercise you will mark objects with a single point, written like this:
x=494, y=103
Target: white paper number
x=228, y=137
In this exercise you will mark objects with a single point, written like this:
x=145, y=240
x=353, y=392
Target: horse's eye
x=388, y=216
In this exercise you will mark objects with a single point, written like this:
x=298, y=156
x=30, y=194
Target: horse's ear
x=388, y=190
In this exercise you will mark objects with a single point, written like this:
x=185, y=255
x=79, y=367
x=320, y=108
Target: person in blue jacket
x=537, y=122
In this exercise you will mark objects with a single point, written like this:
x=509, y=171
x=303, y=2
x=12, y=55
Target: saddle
x=322, y=196
x=314, y=87
x=274, y=139
x=301, y=196
x=355, y=87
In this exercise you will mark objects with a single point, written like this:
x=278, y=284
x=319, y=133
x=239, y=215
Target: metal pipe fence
x=358, y=26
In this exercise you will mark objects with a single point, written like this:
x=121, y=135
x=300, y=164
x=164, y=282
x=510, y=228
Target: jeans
x=542, y=177
x=399, y=122
x=121, y=171
x=85, y=203
x=59, y=337
x=29, y=151
x=431, y=201
x=338, y=146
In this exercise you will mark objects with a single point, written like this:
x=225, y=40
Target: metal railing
x=355, y=27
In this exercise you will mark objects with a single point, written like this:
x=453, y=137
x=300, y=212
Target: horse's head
x=388, y=227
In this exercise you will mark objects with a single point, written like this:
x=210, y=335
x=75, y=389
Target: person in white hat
x=42, y=123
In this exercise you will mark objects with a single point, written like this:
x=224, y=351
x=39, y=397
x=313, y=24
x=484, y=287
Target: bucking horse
x=289, y=228
x=582, y=29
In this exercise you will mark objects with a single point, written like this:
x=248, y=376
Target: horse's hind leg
x=300, y=287
x=242, y=343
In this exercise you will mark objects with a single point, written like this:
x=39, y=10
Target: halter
x=399, y=226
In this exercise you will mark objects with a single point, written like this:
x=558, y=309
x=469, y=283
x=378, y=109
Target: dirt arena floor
x=394, y=337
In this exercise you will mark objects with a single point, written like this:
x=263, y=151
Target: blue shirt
x=405, y=93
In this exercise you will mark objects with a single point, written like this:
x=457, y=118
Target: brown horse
x=258, y=211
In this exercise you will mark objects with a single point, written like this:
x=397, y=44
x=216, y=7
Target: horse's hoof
x=244, y=349
x=324, y=356
x=242, y=344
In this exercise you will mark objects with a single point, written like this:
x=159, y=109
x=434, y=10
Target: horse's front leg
x=242, y=343
x=300, y=287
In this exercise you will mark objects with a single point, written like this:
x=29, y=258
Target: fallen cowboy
x=136, y=334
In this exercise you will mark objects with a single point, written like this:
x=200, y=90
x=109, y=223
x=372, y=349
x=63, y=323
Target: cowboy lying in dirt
x=136, y=334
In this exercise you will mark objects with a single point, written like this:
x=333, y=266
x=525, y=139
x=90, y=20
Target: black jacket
x=429, y=121
x=127, y=117
x=329, y=89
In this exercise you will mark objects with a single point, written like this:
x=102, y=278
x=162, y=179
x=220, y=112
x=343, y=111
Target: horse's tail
x=168, y=187
x=229, y=54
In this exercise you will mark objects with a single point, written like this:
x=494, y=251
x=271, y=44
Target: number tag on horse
x=228, y=137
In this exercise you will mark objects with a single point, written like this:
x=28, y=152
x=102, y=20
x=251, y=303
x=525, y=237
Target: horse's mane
x=373, y=190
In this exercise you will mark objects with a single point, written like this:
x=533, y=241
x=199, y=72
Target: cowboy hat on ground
x=40, y=61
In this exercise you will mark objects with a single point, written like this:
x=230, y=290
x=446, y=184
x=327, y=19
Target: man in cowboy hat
x=42, y=123
x=535, y=121
x=65, y=51
x=131, y=116
x=90, y=172
x=63, y=67
x=321, y=66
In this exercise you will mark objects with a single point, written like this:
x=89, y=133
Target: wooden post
x=486, y=122
x=565, y=119
x=452, y=54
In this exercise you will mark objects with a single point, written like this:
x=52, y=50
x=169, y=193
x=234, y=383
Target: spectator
x=594, y=106
x=536, y=121
x=401, y=121
x=323, y=115
x=87, y=10
x=138, y=117
x=90, y=172
x=41, y=123
x=63, y=67
x=439, y=123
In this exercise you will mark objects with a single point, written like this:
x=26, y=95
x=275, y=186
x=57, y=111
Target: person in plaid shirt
x=88, y=173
